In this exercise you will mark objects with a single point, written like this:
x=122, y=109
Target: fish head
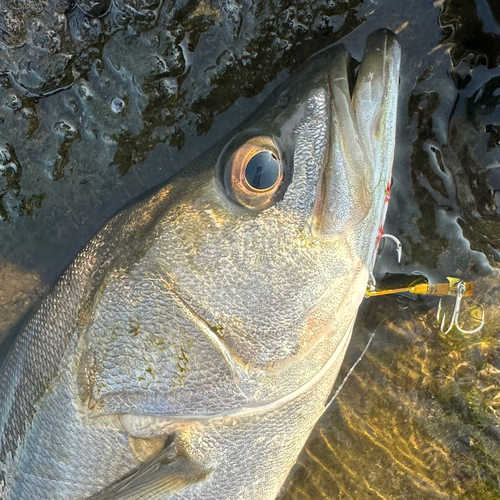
x=272, y=245
x=216, y=309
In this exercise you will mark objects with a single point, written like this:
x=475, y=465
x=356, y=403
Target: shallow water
x=96, y=110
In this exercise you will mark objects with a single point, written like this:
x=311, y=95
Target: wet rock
x=84, y=29
x=24, y=291
x=141, y=10
x=95, y=8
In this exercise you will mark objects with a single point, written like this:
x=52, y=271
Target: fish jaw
x=355, y=187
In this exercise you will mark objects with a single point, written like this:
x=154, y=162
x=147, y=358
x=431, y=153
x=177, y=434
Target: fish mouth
x=355, y=181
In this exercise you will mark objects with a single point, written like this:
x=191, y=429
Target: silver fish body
x=189, y=349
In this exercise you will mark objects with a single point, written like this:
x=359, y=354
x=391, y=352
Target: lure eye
x=254, y=173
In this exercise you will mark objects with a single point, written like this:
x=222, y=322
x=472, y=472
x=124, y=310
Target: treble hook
x=460, y=292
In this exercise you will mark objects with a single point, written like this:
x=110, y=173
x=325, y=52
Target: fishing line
x=340, y=387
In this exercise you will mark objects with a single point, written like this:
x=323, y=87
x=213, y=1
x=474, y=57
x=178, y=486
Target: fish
x=191, y=346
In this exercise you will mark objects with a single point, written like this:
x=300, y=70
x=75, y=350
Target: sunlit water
x=96, y=110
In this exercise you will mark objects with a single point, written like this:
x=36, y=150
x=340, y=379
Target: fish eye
x=262, y=171
x=254, y=173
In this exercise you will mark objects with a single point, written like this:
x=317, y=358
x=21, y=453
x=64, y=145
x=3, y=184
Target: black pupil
x=262, y=170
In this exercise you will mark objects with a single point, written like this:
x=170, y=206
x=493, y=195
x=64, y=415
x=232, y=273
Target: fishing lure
x=420, y=286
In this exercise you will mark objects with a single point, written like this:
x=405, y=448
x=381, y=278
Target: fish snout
x=357, y=171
